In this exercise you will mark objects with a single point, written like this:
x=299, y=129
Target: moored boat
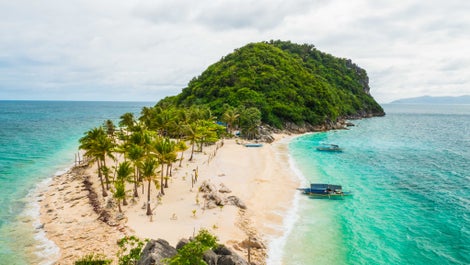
x=324, y=190
x=329, y=147
x=253, y=145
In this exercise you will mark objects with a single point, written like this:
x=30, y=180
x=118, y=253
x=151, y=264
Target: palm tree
x=181, y=147
x=110, y=128
x=165, y=150
x=127, y=121
x=124, y=170
x=135, y=153
x=90, y=143
x=230, y=116
x=192, y=135
x=148, y=168
x=119, y=193
x=147, y=116
x=104, y=148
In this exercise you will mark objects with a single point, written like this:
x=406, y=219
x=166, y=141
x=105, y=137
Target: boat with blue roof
x=329, y=148
x=325, y=190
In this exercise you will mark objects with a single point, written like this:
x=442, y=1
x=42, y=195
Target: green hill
x=287, y=82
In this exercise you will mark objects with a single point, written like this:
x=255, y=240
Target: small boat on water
x=253, y=145
x=324, y=190
x=329, y=148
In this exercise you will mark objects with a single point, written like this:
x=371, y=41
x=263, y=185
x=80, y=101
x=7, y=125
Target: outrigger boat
x=329, y=147
x=324, y=190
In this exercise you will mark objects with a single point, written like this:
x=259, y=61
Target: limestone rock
x=224, y=189
x=231, y=260
x=155, y=251
x=234, y=200
x=182, y=243
x=210, y=257
x=207, y=187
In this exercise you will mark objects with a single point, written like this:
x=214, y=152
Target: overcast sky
x=145, y=50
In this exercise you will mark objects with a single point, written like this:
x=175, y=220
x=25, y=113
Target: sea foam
x=277, y=244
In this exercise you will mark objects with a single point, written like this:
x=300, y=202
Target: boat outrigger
x=329, y=147
x=324, y=190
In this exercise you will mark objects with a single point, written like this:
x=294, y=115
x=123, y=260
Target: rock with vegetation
x=202, y=249
x=156, y=252
x=280, y=83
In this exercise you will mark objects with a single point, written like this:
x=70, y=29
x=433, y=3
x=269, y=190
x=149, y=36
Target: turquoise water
x=410, y=175
x=39, y=139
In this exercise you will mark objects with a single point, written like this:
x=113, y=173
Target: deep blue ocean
x=38, y=140
x=410, y=175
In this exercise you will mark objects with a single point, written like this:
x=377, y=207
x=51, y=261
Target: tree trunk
x=119, y=206
x=106, y=175
x=161, y=181
x=167, y=176
x=181, y=158
x=136, y=172
x=149, y=210
x=192, y=152
x=100, y=176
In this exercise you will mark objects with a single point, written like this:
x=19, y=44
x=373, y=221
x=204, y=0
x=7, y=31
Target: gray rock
x=234, y=200
x=222, y=250
x=224, y=189
x=155, y=251
x=210, y=257
x=210, y=205
x=214, y=197
x=231, y=260
x=182, y=243
x=207, y=187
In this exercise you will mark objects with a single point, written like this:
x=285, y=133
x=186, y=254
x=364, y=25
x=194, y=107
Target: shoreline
x=267, y=170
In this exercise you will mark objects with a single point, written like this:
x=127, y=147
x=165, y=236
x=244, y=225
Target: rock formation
x=156, y=251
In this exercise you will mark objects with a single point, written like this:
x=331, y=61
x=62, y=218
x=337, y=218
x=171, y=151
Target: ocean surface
x=409, y=173
x=38, y=139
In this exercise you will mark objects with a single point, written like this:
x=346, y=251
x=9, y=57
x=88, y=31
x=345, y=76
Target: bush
x=193, y=252
x=93, y=259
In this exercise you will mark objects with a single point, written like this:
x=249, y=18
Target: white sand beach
x=259, y=176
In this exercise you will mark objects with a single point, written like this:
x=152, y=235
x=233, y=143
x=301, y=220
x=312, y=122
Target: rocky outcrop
x=214, y=197
x=156, y=251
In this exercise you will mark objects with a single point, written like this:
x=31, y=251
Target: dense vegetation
x=286, y=82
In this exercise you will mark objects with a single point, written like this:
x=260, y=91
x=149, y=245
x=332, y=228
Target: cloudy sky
x=145, y=50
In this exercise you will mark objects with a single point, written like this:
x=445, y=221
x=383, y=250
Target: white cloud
x=86, y=49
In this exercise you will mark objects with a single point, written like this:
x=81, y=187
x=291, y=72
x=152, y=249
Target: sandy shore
x=260, y=177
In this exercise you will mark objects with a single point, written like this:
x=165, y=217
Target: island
x=182, y=169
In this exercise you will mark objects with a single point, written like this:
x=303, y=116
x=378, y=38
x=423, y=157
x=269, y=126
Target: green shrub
x=93, y=259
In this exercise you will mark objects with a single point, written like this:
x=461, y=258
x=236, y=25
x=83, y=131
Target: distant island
x=465, y=99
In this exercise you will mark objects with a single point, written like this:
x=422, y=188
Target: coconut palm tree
x=119, y=193
x=192, y=134
x=110, y=128
x=181, y=147
x=165, y=150
x=124, y=171
x=148, y=170
x=91, y=144
x=135, y=153
x=104, y=148
x=127, y=121
x=230, y=116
